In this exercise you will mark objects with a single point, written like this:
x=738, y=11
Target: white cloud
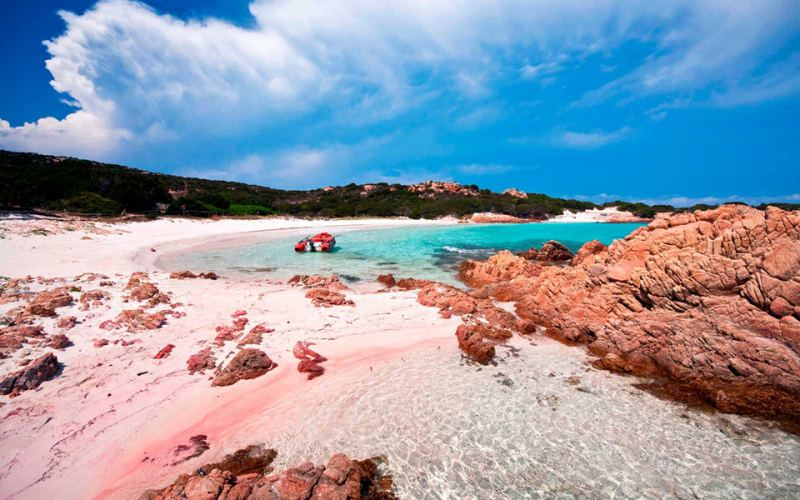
x=141, y=77
x=588, y=140
x=688, y=201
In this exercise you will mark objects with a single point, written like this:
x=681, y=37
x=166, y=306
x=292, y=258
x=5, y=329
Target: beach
x=88, y=428
x=139, y=398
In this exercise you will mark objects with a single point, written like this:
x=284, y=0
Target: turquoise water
x=425, y=252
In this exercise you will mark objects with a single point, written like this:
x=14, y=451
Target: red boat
x=322, y=242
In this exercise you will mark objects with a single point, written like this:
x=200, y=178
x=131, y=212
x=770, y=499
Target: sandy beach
x=109, y=424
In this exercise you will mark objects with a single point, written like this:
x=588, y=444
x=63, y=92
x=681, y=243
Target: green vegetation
x=32, y=181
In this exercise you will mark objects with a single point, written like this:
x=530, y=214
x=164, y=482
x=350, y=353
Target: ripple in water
x=539, y=423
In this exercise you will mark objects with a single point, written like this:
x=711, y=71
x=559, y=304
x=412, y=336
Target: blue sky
x=677, y=102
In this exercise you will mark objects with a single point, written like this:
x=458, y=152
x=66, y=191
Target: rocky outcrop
x=255, y=335
x=247, y=364
x=484, y=324
x=31, y=376
x=516, y=193
x=245, y=476
x=709, y=300
x=59, y=341
x=502, y=266
x=551, y=252
x=492, y=218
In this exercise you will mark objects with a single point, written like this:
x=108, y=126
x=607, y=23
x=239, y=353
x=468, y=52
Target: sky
x=677, y=102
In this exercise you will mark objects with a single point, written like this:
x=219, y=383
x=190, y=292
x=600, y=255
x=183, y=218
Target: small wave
x=463, y=250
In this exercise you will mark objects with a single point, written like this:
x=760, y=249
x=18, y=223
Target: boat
x=322, y=242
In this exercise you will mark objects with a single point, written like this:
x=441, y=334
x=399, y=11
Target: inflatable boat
x=322, y=242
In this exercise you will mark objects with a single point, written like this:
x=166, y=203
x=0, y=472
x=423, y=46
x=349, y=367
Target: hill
x=32, y=181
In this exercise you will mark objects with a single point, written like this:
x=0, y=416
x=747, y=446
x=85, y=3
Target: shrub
x=88, y=203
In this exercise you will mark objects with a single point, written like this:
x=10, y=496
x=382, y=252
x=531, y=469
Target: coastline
x=122, y=401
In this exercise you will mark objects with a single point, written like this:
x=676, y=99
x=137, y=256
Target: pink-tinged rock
x=247, y=364
x=255, y=335
x=67, y=322
x=387, y=279
x=98, y=343
x=201, y=361
x=59, y=341
x=164, y=352
x=551, y=251
x=302, y=350
x=239, y=312
x=30, y=377
x=312, y=368
x=325, y=297
x=13, y=337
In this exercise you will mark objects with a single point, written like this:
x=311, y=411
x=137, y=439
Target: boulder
x=387, y=279
x=164, y=352
x=327, y=297
x=201, y=361
x=31, y=376
x=552, y=251
x=247, y=364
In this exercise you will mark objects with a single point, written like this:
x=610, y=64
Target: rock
x=326, y=297
x=502, y=266
x=516, y=193
x=387, y=279
x=237, y=313
x=45, y=303
x=136, y=320
x=255, y=335
x=309, y=359
x=67, y=322
x=551, y=251
x=492, y=218
x=92, y=298
x=98, y=343
x=164, y=352
x=316, y=281
x=201, y=361
x=474, y=345
x=59, y=341
x=30, y=377
x=13, y=337
x=149, y=292
x=182, y=275
x=248, y=363
x=704, y=299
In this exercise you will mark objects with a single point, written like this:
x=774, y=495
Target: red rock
x=551, y=251
x=312, y=368
x=492, y=218
x=67, y=322
x=201, y=361
x=474, y=345
x=208, y=276
x=387, y=279
x=240, y=323
x=30, y=377
x=164, y=352
x=301, y=350
x=136, y=320
x=698, y=298
x=100, y=343
x=502, y=266
x=325, y=297
x=247, y=364
x=182, y=275
x=255, y=336
x=59, y=341
x=13, y=337
x=92, y=298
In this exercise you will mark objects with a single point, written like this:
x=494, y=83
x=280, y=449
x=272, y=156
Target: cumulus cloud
x=139, y=77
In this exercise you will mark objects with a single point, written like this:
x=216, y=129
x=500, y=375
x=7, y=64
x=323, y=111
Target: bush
x=250, y=210
x=88, y=203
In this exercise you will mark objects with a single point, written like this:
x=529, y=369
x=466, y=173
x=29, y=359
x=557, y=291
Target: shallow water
x=425, y=252
x=540, y=423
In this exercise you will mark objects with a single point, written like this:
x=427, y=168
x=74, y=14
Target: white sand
x=608, y=214
x=87, y=432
